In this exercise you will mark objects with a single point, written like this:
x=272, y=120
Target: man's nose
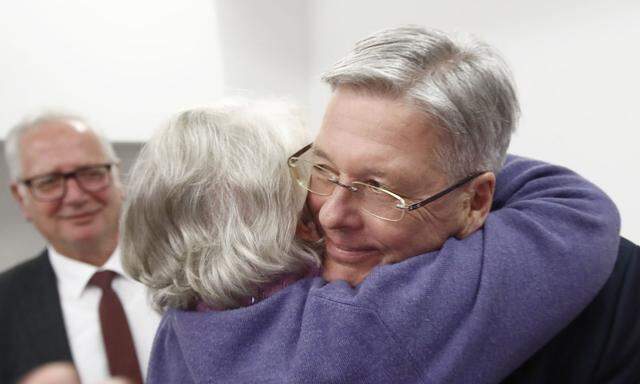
x=340, y=210
x=74, y=194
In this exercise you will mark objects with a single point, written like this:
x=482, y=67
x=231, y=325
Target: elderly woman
x=210, y=226
x=212, y=211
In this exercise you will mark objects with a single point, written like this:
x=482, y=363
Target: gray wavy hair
x=211, y=209
x=462, y=85
x=12, y=147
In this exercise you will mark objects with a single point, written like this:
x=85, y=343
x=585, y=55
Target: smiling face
x=82, y=225
x=384, y=141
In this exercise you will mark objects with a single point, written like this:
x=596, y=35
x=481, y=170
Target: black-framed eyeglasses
x=53, y=186
x=374, y=200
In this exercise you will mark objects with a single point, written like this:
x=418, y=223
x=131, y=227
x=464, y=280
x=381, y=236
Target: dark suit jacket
x=32, y=330
x=602, y=345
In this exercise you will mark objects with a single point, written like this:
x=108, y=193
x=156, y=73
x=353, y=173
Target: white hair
x=462, y=85
x=212, y=211
x=13, y=148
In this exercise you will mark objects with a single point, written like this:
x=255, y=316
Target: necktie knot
x=102, y=279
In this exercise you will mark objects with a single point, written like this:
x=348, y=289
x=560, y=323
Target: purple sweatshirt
x=471, y=312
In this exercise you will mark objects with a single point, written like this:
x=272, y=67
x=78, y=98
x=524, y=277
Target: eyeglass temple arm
x=301, y=151
x=444, y=192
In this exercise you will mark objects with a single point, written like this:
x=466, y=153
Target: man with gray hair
x=424, y=115
x=73, y=302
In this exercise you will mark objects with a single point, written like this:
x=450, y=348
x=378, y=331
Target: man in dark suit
x=73, y=302
x=31, y=320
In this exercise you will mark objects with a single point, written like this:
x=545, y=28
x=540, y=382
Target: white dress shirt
x=80, y=303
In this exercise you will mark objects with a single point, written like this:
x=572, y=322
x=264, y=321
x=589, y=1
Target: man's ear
x=306, y=228
x=307, y=231
x=117, y=181
x=477, y=203
x=20, y=199
x=120, y=189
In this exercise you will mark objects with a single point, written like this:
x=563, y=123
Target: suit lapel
x=44, y=327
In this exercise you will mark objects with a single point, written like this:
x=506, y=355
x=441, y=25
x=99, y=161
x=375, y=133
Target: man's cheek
x=49, y=209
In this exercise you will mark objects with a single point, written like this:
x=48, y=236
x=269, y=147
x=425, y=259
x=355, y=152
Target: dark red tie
x=118, y=342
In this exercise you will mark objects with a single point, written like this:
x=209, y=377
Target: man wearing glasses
x=73, y=302
x=405, y=163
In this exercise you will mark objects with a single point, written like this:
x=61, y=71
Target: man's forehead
x=362, y=118
x=367, y=112
x=59, y=134
x=57, y=125
x=364, y=133
x=59, y=146
x=385, y=130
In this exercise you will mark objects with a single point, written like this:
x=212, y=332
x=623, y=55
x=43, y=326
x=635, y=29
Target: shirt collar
x=73, y=275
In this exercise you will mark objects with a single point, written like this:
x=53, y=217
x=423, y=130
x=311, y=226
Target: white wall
x=125, y=64
x=575, y=62
x=128, y=65
x=264, y=47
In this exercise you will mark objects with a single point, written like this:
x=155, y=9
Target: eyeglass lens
x=53, y=186
x=375, y=201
